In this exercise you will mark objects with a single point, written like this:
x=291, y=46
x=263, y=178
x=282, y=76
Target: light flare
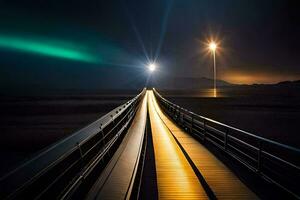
x=152, y=67
x=212, y=46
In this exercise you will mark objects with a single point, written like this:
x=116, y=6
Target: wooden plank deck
x=222, y=181
x=175, y=177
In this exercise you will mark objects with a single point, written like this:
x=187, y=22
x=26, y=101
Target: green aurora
x=48, y=48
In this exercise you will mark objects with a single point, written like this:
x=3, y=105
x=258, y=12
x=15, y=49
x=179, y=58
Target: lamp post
x=213, y=47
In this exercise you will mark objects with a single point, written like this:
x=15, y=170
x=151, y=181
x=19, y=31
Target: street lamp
x=213, y=47
x=152, y=67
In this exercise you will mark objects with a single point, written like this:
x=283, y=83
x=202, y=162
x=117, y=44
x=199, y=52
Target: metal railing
x=277, y=163
x=69, y=167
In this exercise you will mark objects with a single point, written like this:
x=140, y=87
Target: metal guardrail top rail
x=82, y=140
x=274, y=161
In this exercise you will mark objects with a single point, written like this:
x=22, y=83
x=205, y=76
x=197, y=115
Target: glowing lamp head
x=212, y=46
x=152, y=67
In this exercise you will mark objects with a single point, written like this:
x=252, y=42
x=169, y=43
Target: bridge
x=151, y=148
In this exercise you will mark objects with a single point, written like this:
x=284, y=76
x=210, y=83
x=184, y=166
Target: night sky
x=106, y=44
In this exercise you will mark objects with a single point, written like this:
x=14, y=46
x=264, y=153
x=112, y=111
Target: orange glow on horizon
x=257, y=77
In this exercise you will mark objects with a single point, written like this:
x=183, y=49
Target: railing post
x=113, y=120
x=181, y=118
x=204, y=130
x=103, y=136
x=259, y=158
x=180, y=115
x=226, y=139
x=192, y=124
x=79, y=148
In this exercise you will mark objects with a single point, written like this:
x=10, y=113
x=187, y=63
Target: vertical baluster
x=181, y=119
x=103, y=136
x=112, y=118
x=192, y=124
x=226, y=139
x=204, y=132
x=259, y=157
x=80, y=150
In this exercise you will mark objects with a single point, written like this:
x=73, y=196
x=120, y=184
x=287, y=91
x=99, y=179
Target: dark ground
x=29, y=124
x=268, y=111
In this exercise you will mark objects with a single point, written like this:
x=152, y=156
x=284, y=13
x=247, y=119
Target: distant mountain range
x=182, y=83
x=292, y=83
x=295, y=83
x=192, y=83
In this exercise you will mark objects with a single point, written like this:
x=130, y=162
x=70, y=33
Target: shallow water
x=273, y=114
x=29, y=124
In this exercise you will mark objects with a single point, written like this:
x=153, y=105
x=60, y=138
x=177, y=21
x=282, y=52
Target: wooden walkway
x=175, y=177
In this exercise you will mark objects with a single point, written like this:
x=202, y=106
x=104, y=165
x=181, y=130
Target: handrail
x=255, y=152
x=62, y=165
x=231, y=127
